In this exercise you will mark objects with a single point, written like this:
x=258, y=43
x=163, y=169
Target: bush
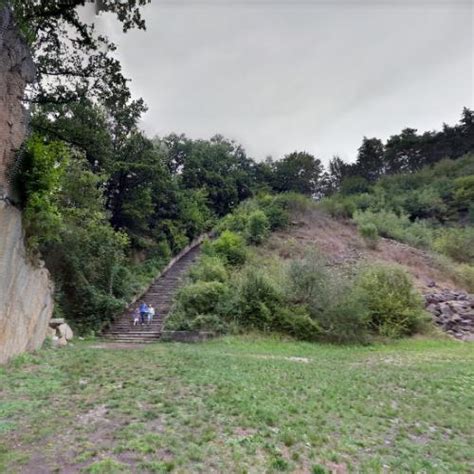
x=456, y=243
x=259, y=300
x=309, y=281
x=257, y=228
x=229, y=246
x=387, y=223
x=297, y=323
x=235, y=222
x=209, y=269
x=202, y=297
x=370, y=234
x=338, y=206
x=277, y=216
x=339, y=315
x=394, y=308
x=465, y=275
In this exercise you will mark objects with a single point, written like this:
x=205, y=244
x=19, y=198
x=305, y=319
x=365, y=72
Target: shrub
x=308, y=281
x=202, y=297
x=456, y=243
x=259, y=300
x=394, y=308
x=296, y=322
x=229, y=246
x=209, y=269
x=257, y=228
x=419, y=234
x=465, y=275
x=464, y=192
x=387, y=223
x=338, y=206
x=339, y=315
x=235, y=222
x=370, y=234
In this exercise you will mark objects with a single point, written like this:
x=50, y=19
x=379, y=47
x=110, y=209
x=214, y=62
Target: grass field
x=240, y=405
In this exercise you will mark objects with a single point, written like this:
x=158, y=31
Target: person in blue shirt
x=143, y=312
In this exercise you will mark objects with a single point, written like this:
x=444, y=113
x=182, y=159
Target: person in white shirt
x=151, y=314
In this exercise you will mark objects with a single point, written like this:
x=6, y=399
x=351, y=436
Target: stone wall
x=25, y=290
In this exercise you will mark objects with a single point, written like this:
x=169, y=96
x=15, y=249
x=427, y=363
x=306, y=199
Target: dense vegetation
x=105, y=206
x=234, y=288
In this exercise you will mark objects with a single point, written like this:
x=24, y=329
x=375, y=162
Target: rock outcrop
x=25, y=290
x=60, y=332
x=453, y=311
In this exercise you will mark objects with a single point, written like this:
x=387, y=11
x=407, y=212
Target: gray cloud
x=312, y=75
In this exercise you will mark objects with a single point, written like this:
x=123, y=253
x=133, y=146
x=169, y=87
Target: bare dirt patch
x=341, y=243
x=117, y=345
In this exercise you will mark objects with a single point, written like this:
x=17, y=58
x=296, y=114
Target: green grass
x=240, y=405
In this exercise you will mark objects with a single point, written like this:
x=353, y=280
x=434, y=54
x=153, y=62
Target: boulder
x=62, y=341
x=65, y=331
x=55, y=322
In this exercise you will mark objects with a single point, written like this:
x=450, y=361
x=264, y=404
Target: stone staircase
x=160, y=295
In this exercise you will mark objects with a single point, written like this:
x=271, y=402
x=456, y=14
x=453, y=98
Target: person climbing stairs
x=160, y=295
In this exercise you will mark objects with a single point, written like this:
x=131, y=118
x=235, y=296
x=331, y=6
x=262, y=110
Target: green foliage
x=394, y=308
x=354, y=185
x=258, y=227
x=456, y=243
x=201, y=297
x=43, y=169
x=464, y=273
x=229, y=246
x=387, y=223
x=338, y=206
x=259, y=300
x=298, y=172
x=464, y=191
x=209, y=269
x=398, y=227
x=327, y=296
x=370, y=234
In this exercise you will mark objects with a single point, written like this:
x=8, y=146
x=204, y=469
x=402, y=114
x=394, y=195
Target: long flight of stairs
x=160, y=295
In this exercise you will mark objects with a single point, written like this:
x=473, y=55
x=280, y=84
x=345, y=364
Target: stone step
x=160, y=294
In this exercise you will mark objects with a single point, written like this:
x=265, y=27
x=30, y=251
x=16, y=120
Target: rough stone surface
x=55, y=322
x=26, y=300
x=16, y=70
x=25, y=291
x=65, y=331
x=453, y=312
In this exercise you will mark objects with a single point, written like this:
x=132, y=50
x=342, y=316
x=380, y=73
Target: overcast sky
x=313, y=75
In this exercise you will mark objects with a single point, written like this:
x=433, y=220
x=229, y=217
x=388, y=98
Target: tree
x=404, y=152
x=72, y=60
x=370, y=159
x=299, y=172
x=337, y=171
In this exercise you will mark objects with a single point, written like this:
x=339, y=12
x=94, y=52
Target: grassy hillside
x=431, y=209
x=240, y=405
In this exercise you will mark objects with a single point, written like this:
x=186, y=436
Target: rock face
x=453, y=311
x=16, y=70
x=25, y=291
x=26, y=301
